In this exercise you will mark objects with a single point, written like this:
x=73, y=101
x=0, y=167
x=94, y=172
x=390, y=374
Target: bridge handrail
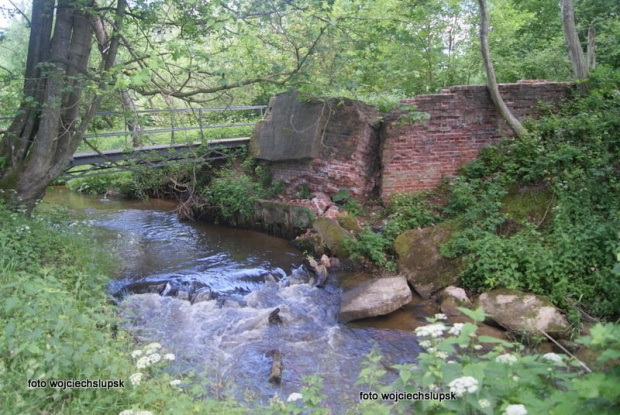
x=206, y=109
x=163, y=130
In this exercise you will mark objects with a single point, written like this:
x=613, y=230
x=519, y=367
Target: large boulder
x=333, y=236
x=523, y=312
x=374, y=298
x=420, y=261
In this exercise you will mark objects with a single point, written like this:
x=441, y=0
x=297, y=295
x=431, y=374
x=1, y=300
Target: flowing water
x=225, y=336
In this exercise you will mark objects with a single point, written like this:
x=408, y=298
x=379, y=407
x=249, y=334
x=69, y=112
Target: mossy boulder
x=333, y=236
x=349, y=223
x=523, y=312
x=526, y=203
x=420, y=261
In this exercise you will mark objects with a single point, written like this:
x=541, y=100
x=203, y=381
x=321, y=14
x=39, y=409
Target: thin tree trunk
x=504, y=111
x=131, y=118
x=591, y=48
x=575, y=52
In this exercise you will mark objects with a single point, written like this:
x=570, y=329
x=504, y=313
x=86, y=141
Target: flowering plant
x=503, y=380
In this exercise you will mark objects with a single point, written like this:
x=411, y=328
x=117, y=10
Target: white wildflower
x=440, y=316
x=169, y=356
x=507, y=358
x=515, y=410
x=136, y=353
x=484, y=403
x=456, y=329
x=135, y=379
x=143, y=362
x=451, y=361
x=425, y=343
x=556, y=358
x=294, y=397
x=441, y=355
x=478, y=347
x=432, y=387
x=463, y=384
x=149, y=351
x=175, y=382
x=431, y=330
x=154, y=358
x=516, y=378
x=127, y=412
x=144, y=413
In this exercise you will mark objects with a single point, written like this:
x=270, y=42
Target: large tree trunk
x=40, y=141
x=575, y=52
x=504, y=111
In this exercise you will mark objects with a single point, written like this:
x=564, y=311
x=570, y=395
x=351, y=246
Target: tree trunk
x=575, y=52
x=47, y=130
x=131, y=116
x=504, y=111
x=591, y=48
x=132, y=120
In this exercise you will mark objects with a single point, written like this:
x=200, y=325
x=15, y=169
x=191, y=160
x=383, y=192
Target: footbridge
x=95, y=163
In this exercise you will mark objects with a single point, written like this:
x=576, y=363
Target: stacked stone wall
x=417, y=155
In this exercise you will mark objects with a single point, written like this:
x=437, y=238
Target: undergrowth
x=58, y=324
x=564, y=244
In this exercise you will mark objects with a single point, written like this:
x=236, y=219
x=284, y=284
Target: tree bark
x=575, y=52
x=40, y=141
x=591, y=48
x=504, y=111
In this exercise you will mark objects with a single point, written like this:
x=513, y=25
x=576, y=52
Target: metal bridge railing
x=173, y=128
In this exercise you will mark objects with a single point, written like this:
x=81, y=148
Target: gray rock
x=203, y=294
x=374, y=298
x=452, y=298
x=523, y=312
x=420, y=261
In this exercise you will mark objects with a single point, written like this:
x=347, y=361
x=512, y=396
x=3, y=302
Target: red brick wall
x=462, y=120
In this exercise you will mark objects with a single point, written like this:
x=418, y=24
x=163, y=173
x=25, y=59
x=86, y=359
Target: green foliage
x=233, y=193
x=58, y=324
x=304, y=192
x=571, y=258
x=410, y=211
x=370, y=245
x=506, y=378
x=96, y=185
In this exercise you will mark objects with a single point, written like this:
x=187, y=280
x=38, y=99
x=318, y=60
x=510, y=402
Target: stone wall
x=325, y=145
x=463, y=119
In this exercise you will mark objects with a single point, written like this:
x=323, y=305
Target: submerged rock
x=420, y=261
x=523, y=312
x=374, y=298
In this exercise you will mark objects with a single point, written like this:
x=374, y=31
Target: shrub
x=409, y=211
x=233, y=194
x=507, y=378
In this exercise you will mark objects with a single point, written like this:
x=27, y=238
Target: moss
x=333, y=236
x=528, y=203
x=349, y=223
x=420, y=260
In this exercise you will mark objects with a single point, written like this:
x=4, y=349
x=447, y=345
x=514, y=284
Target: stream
x=224, y=337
